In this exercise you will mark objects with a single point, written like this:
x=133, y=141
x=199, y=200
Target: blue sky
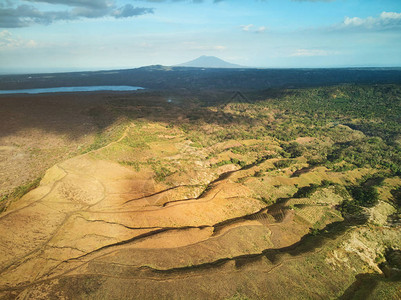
x=58, y=35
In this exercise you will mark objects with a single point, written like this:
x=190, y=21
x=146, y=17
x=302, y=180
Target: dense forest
x=200, y=79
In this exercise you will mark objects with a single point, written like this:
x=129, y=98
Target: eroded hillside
x=198, y=197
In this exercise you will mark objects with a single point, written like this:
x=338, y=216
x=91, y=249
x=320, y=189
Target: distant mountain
x=209, y=62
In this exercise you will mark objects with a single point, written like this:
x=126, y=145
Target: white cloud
x=390, y=15
x=249, y=28
x=246, y=27
x=7, y=41
x=385, y=20
x=353, y=21
x=261, y=29
x=31, y=44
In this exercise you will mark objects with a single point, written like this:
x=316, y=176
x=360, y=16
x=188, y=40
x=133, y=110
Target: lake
x=72, y=89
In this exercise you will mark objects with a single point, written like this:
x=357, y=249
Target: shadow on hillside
x=362, y=287
x=365, y=285
x=307, y=244
x=78, y=114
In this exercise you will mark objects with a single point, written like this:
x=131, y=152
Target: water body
x=73, y=89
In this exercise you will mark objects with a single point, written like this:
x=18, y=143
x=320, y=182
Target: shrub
x=294, y=149
x=238, y=162
x=350, y=208
x=284, y=163
x=306, y=191
x=259, y=173
x=366, y=196
x=396, y=193
x=161, y=173
x=234, y=161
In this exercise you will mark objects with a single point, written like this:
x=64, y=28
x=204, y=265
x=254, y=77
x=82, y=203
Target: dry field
x=36, y=131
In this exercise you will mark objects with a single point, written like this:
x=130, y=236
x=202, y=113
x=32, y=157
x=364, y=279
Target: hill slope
x=232, y=201
x=209, y=62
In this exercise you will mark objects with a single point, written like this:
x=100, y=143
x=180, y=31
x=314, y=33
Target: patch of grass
x=238, y=296
x=99, y=142
x=23, y=189
x=239, y=150
x=135, y=164
x=106, y=136
x=161, y=171
x=137, y=138
x=19, y=191
x=3, y=198
x=197, y=145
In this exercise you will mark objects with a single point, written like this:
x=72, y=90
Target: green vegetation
x=138, y=138
x=347, y=127
x=135, y=164
x=259, y=173
x=234, y=161
x=281, y=164
x=308, y=190
x=18, y=192
x=366, y=196
x=363, y=195
x=396, y=193
x=367, y=103
x=161, y=171
x=104, y=136
x=393, y=258
x=350, y=208
x=294, y=149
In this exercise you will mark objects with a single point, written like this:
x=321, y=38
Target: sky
x=68, y=35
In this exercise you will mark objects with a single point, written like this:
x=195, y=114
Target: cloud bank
x=8, y=41
x=27, y=14
x=386, y=20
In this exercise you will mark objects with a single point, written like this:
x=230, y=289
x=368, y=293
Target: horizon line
x=40, y=71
